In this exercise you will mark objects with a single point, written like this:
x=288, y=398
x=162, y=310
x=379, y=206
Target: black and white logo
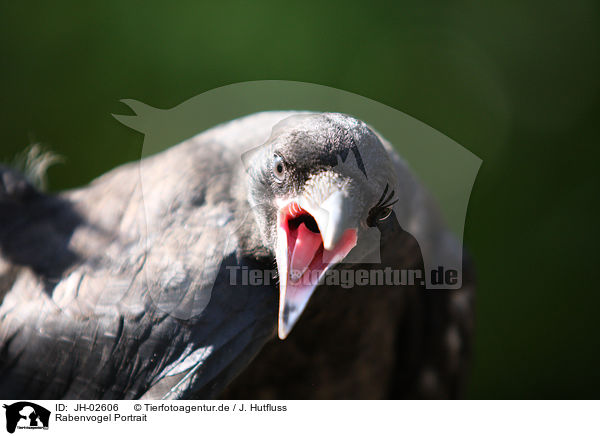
x=26, y=415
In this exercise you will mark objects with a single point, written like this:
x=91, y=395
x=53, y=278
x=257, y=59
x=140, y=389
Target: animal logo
x=26, y=415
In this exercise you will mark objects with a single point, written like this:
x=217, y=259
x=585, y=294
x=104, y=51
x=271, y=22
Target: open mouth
x=306, y=254
x=302, y=259
x=304, y=243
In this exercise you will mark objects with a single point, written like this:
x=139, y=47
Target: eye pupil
x=278, y=168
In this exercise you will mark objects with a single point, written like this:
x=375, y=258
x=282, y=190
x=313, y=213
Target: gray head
x=317, y=186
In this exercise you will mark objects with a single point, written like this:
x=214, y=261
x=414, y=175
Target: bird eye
x=378, y=214
x=278, y=168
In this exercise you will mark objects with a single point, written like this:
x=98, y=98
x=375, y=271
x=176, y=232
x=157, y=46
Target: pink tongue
x=307, y=244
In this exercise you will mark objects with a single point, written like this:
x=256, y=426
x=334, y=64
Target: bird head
x=317, y=186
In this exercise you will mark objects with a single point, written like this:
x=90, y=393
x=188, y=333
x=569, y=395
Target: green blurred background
x=516, y=83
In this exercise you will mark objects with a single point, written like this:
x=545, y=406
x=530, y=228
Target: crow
x=217, y=269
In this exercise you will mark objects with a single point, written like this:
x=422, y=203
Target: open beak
x=311, y=238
